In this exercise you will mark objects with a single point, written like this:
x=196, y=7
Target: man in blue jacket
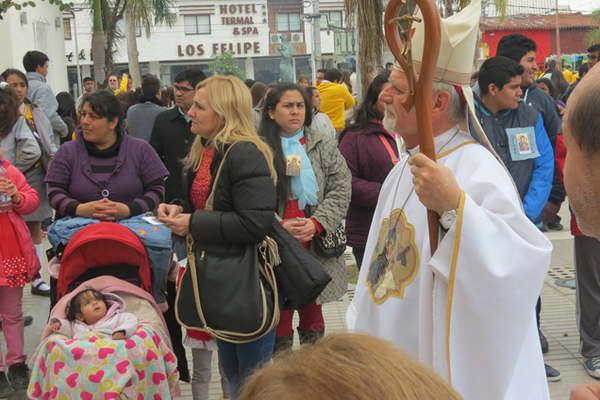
x=523, y=50
x=517, y=133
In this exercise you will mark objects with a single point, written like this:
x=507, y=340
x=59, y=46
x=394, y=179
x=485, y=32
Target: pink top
x=115, y=320
x=29, y=203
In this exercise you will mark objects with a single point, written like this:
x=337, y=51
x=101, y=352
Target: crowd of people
x=217, y=159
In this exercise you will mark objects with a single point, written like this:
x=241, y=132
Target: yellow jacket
x=335, y=99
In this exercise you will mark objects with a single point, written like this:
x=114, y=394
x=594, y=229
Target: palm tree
x=105, y=15
x=141, y=13
x=594, y=36
x=369, y=26
x=98, y=41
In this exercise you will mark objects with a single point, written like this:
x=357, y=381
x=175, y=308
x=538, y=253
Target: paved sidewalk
x=558, y=322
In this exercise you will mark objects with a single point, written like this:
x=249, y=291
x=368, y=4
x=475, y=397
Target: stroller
x=107, y=257
x=104, y=248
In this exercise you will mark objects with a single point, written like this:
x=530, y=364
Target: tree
x=594, y=36
x=225, y=64
x=5, y=5
x=105, y=15
x=369, y=24
x=141, y=13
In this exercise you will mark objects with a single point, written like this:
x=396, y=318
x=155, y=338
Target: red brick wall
x=571, y=40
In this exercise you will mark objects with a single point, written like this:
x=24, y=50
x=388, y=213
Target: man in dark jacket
x=172, y=139
x=523, y=50
x=171, y=136
x=141, y=116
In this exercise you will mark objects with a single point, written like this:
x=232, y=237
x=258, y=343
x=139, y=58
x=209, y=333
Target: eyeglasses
x=183, y=89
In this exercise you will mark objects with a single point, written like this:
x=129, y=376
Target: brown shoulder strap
x=209, y=202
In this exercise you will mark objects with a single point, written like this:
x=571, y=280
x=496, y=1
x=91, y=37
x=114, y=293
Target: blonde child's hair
x=346, y=366
x=230, y=99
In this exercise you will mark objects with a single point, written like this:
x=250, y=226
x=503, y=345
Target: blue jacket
x=533, y=177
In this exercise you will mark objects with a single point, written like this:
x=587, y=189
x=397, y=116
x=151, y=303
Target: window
x=332, y=19
x=197, y=24
x=288, y=22
x=67, y=28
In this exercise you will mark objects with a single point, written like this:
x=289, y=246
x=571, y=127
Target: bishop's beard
x=390, y=119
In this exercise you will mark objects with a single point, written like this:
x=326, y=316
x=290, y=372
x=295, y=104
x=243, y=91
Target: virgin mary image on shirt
x=395, y=261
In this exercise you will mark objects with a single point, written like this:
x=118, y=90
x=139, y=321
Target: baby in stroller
x=107, y=353
x=94, y=311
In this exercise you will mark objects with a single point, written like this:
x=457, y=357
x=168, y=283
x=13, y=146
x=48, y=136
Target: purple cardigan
x=137, y=179
x=369, y=163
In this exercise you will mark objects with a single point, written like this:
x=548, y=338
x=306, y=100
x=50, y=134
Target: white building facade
x=35, y=28
x=202, y=30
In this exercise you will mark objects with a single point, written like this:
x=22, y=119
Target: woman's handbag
x=300, y=276
x=229, y=291
x=331, y=244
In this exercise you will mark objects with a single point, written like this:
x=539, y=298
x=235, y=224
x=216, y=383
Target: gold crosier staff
x=398, y=31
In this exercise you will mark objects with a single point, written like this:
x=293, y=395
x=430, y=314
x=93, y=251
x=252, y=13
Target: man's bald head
x=582, y=166
x=583, y=113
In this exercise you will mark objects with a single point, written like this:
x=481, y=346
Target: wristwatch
x=447, y=219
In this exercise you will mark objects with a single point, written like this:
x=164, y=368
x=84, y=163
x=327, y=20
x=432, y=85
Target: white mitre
x=459, y=34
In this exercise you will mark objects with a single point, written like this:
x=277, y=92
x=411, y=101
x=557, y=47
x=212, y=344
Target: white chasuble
x=468, y=312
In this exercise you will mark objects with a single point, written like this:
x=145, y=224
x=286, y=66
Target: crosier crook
x=398, y=31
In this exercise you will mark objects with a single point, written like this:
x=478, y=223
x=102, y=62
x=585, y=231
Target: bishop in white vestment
x=468, y=311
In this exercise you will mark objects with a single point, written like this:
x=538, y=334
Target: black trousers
x=359, y=253
x=175, y=333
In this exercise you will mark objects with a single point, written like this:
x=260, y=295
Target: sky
x=581, y=5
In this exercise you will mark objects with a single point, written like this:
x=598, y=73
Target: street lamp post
x=79, y=88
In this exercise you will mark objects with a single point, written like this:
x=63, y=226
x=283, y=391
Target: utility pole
x=558, y=55
x=316, y=36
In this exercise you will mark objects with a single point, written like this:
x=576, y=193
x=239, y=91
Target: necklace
x=404, y=167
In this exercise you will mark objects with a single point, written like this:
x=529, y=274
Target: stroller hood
x=99, y=245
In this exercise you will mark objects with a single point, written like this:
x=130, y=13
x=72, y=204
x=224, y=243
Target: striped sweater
x=129, y=172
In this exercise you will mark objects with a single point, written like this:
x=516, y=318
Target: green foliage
x=594, y=36
x=5, y=5
x=149, y=12
x=225, y=64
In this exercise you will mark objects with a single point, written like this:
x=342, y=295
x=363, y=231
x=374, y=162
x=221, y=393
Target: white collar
x=441, y=141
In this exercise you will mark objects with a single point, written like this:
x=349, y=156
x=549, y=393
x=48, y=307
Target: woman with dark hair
x=39, y=125
x=371, y=152
x=320, y=121
x=66, y=110
x=104, y=174
x=558, y=79
x=313, y=192
x=107, y=175
x=547, y=86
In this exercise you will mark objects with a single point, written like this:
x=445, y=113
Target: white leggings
x=202, y=363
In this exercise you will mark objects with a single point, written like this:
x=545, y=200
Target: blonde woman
x=244, y=202
x=343, y=367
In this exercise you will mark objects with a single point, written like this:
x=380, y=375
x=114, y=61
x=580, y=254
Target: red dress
x=13, y=267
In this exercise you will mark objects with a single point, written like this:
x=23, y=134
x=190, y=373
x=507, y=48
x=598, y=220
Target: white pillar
x=249, y=67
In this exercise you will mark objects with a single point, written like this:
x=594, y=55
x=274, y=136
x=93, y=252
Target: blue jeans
x=239, y=360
